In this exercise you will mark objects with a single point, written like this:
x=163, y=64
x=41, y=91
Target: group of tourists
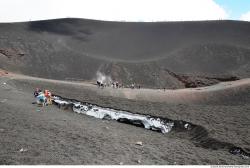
x=116, y=85
x=134, y=86
x=43, y=98
x=113, y=84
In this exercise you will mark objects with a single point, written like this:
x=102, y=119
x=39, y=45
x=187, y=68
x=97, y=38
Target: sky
x=235, y=8
x=125, y=10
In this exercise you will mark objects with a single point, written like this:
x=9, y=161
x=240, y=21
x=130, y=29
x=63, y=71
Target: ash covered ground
x=204, y=67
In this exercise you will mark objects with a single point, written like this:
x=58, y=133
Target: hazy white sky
x=116, y=10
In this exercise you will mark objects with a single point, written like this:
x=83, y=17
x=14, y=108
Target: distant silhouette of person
x=37, y=91
x=117, y=85
x=133, y=86
x=100, y=84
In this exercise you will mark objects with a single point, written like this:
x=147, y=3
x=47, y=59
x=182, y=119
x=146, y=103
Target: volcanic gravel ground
x=48, y=135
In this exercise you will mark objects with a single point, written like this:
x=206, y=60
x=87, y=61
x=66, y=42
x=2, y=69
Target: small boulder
x=186, y=125
x=23, y=150
x=139, y=143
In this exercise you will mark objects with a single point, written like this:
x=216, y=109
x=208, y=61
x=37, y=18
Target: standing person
x=48, y=95
x=117, y=85
x=41, y=99
x=133, y=86
x=98, y=83
x=36, y=92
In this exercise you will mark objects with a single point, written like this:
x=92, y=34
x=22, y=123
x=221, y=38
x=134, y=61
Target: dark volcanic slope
x=170, y=54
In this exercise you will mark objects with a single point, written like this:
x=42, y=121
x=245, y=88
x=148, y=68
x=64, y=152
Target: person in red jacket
x=48, y=96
